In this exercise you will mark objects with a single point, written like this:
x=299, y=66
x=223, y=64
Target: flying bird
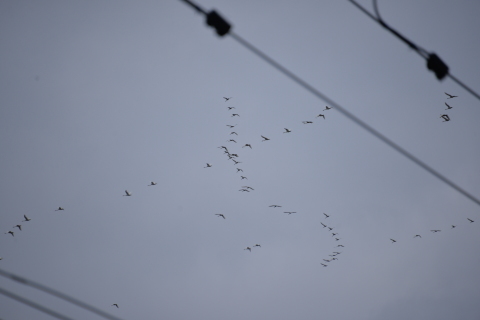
x=128, y=194
x=450, y=96
x=289, y=212
x=226, y=99
x=230, y=108
x=393, y=241
x=448, y=107
x=324, y=225
x=248, y=248
x=324, y=265
x=26, y=218
x=337, y=239
x=231, y=140
x=220, y=215
x=341, y=245
x=275, y=206
x=434, y=231
x=59, y=209
x=230, y=126
x=265, y=138
x=453, y=226
x=238, y=170
x=330, y=228
x=306, y=122
x=236, y=162
x=244, y=190
x=208, y=165
x=11, y=232
x=19, y=226
x=152, y=184
x=327, y=108
x=417, y=236
x=116, y=305
x=233, y=132
x=287, y=131
x=321, y=115
x=334, y=234
x=235, y=115
x=326, y=215
x=247, y=187
x=257, y=245
x=470, y=220
x=243, y=177
x=445, y=117
x=247, y=145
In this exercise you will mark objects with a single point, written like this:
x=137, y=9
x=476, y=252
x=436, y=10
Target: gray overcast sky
x=107, y=96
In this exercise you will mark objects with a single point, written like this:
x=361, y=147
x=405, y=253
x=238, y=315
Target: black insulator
x=436, y=64
x=216, y=21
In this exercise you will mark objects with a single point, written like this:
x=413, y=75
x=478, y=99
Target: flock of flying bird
x=446, y=117
x=234, y=158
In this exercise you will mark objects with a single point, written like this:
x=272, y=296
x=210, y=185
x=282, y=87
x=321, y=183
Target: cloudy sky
x=102, y=97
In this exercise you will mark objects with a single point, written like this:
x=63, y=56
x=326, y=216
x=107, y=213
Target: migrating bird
x=330, y=228
x=233, y=132
x=453, y=226
x=19, y=226
x=226, y=99
x=265, y=138
x=230, y=108
x=393, y=241
x=230, y=126
x=235, y=115
x=152, y=184
x=341, y=245
x=327, y=108
x=275, y=206
x=236, y=162
x=326, y=215
x=323, y=264
x=11, y=232
x=289, y=212
x=26, y=218
x=445, y=117
x=470, y=220
x=448, y=107
x=128, y=194
x=334, y=234
x=248, y=248
x=238, y=170
x=257, y=245
x=247, y=145
x=321, y=115
x=306, y=122
x=243, y=177
x=59, y=209
x=450, y=96
x=324, y=225
x=244, y=190
x=208, y=166
x=337, y=239
x=417, y=236
x=287, y=131
x=231, y=140
x=247, y=187
x=116, y=305
x=434, y=231
x=220, y=215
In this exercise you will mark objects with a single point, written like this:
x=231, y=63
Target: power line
x=34, y=305
x=57, y=294
x=342, y=110
x=434, y=62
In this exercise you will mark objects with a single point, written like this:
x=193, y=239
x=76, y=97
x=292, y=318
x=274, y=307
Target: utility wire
x=57, y=294
x=434, y=62
x=34, y=305
x=344, y=111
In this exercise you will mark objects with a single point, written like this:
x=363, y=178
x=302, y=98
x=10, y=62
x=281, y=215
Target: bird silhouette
x=243, y=177
x=231, y=140
x=307, y=122
x=247, y=187
x=453, y=226
x=26, y=218
x=60, y=209
x=337, y=239
x=324, y=225
x=265, y=138
x=226, y=99
x=324, y=265
x=230, y=108
x=116, y=305
x=257, y=245
x=434, y=231
x=230, y=126
x=417, y=236
x=321, y=115
x=330, y=228
x=287, y=131
x=326, y=215
x=128, y=194
x=19, y=226
x=11, y=232
x=327, y=108
x=238, y=170
x=445, y=117
x=470, y=220
x=244, y=190
x=334, y=234
x=248, y=248
x=448, y=107
x=233, y=132
x=289, y=212
x=208, y=165
x=341, y=245
x=152, y=184
x=247, y=145
x=275, y=206
x=450, y=96
x=220, y=215
x=235, y=115
x=393, y=241
x=236, y=162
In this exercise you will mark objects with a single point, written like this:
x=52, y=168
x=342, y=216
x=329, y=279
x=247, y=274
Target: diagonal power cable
x=223, y=27
x=57, y=294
